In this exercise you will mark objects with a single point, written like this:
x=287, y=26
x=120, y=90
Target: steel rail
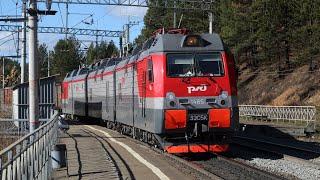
x=284, y=147
x=243, y=165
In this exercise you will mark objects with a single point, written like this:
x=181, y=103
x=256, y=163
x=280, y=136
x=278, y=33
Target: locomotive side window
x=180, y=65
x=209, y=64
x=150, y=70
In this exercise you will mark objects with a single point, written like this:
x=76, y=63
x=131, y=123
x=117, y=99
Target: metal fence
x=29, y=157
x=295, y=115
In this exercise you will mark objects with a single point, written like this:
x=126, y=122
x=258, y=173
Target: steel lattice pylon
x=203, y=5
x=61, y=30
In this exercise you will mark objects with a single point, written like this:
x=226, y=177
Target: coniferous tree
x=66, y=56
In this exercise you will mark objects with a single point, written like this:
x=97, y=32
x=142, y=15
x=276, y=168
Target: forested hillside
x=274, y=37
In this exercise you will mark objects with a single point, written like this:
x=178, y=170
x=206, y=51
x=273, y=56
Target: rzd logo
x=201, y=88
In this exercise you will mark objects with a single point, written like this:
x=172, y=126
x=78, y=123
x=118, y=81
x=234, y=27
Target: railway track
x=213, y=166
x=293, y=161
x=228, y=168
x=292, y=153
x=258, y=173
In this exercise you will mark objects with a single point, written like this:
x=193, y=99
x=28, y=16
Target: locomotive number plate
x=198, y=117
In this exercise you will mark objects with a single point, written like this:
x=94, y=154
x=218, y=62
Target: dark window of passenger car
x=83, y=71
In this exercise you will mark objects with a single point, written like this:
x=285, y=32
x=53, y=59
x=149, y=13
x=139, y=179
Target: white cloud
x=127, y=11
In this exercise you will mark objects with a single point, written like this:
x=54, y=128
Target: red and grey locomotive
x=178, y=91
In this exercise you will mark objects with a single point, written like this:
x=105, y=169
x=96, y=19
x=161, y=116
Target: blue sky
x=104, y=17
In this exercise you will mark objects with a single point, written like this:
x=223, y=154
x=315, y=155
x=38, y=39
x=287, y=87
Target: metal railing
x=30, y=156
x=296, y=115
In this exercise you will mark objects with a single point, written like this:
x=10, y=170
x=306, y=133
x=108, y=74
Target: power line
x=8, y=35
x=6, y=42
x=61, y=15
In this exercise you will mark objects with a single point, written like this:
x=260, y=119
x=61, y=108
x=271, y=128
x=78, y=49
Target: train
x=177, y=91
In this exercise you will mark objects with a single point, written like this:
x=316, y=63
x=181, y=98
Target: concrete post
x=120, y=45
x=210, y=22
x=3, y=73
x=127, y=33
x=33, y=67
x=48, y=63
x=174, y=15
x=67, y=19
x=23, y=43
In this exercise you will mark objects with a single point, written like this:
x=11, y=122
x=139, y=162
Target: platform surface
x=95, y=152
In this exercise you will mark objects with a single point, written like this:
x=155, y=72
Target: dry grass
x=5, y=112
x=297, y=88
x=262, y=86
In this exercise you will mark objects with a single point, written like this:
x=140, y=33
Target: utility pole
x=210, y=22
x=24, y=42
x=33, y=67
x=125, y=38
x=174, y=15
x=48, y=64
x=18, y=44
x=127, y=33
x=2, y=72
x=121, y=45
x=67, y=19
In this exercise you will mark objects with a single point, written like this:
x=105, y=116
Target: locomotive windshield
x=190, y=65
x=180, y=65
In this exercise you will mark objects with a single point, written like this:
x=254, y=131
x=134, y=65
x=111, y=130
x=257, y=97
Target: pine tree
x=66, y=56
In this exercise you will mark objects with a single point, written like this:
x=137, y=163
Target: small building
x=47, y=99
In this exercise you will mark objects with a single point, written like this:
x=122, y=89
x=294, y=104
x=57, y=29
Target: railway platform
x=95, y=152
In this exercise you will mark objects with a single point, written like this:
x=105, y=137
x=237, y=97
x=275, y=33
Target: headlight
x=171, y=99
x=170, y=96
x=223, y=97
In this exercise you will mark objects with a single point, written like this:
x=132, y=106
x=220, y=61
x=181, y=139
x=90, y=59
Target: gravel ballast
x=299, y=170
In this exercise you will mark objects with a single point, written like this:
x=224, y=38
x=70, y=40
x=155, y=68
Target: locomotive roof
x=163, y=43
x=175, y=42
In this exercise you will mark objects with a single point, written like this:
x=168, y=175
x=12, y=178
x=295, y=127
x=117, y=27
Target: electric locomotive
x=177, y=91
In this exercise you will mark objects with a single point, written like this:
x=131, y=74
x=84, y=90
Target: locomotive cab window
x=180, y=65
x=209, y=64
x=191, y=65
